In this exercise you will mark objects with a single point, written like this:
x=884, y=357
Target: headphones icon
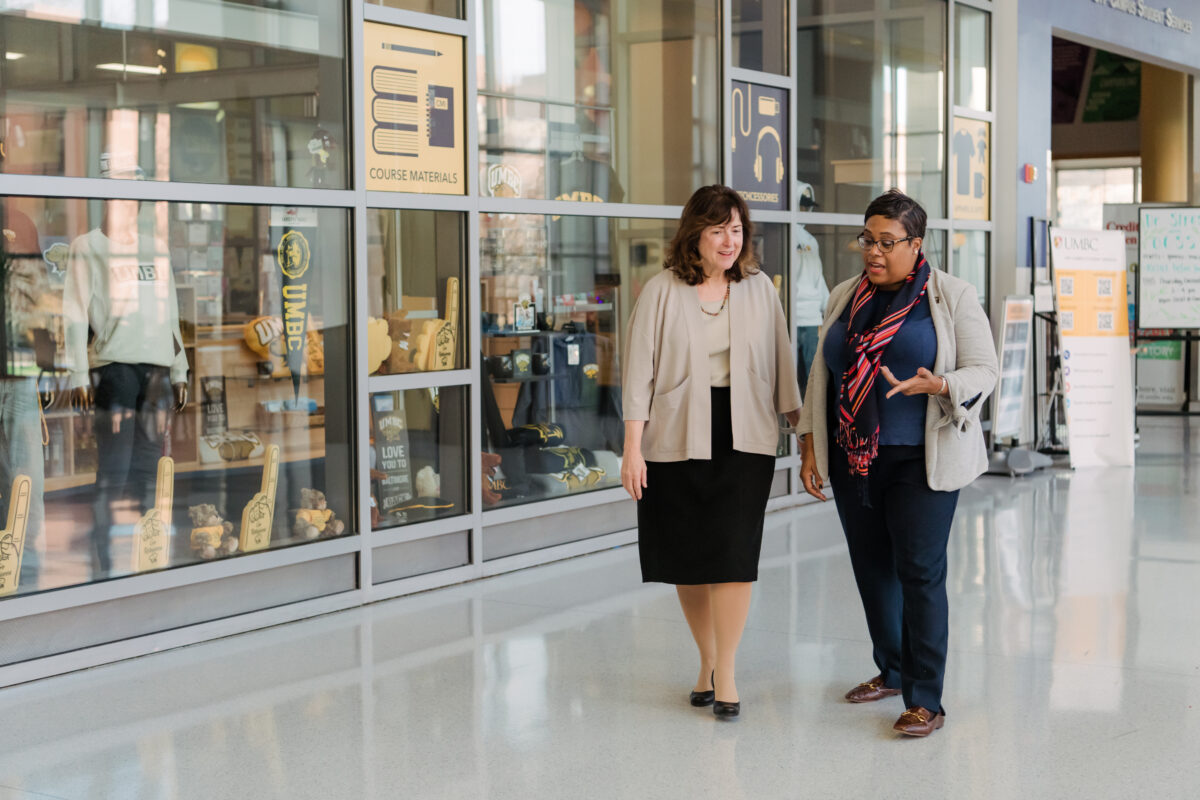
x=758, y=168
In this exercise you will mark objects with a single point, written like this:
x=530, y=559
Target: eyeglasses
x=885, y=245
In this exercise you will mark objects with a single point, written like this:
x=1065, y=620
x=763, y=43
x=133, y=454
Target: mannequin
x=812, y=293
x=121, y=289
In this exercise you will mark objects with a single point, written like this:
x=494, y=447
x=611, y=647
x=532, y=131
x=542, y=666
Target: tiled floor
x=1074, y=673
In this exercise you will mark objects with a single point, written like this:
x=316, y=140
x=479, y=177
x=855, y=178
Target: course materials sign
x=1015, y=338
x=1093, y=324
x=414, y=110
x=971, y=153
x=760, y=145
x=1169, y=268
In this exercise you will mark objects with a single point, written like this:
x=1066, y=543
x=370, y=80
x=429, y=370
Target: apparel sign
x=292, y=230
x=760, y=145
x=971, y=150
x=414, y=110
x=1093, y=324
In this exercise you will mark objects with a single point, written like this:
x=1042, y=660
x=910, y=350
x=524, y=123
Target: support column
x=1164, y=129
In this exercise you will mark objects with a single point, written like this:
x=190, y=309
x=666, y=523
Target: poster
x=390, y=425
x=1169, y=268
x=1093, y=324
x=971, y=158
x=1015, y=337
x=414, y=110
x=1159, y=371
x=759, y=116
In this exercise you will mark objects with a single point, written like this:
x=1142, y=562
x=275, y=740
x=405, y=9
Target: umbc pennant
x=293, y=256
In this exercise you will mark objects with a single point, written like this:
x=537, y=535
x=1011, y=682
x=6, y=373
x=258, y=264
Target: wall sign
x=1169, y=268
x=1138, y=8
x=1015, y=337
x=971, y=151
x=760, y=145
x=414, y=110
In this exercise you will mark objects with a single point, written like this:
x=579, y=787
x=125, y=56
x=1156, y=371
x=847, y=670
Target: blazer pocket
x=762, y=400
x=667, y=426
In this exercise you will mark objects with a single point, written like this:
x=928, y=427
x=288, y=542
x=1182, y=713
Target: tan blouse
x=716, y=331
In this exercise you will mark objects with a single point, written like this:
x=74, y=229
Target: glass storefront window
x=419, y=441
x=972, y=57
x=871, y=109
x=760, y=35
x=443, y=8
x=243, y=92
x=417, y=306
x=841, y=258
x=174, y=382
x=971, y=260
x=598, y=101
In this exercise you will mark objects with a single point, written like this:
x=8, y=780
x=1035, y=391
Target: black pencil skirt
x=702, y=521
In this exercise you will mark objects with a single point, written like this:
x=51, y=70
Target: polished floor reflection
x=1074, y=673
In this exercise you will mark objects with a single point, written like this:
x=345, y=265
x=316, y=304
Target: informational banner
x=760, y=145
x=1169, y=268
x=1159, y=372
x=971, y=153
x=1015, y=337
x=414, y=110
x=391, y=451
x=1093, y=324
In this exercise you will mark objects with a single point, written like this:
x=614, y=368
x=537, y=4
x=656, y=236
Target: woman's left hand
x=924, y=382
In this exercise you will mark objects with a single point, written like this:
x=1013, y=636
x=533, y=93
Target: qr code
x=1066, y=286
x=1104, y=287
x=1104, y=321
x=1067, y=320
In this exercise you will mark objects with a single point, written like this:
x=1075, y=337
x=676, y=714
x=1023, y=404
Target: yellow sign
x=294, y=254
x=259, y=513
x=152, y=534
x=971, y=159
x=414, y=110
x=12, y=538
x=1092, y=302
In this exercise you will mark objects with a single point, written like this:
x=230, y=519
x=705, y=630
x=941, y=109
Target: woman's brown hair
x=708, y=206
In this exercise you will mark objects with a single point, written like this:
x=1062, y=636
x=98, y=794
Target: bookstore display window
x=972, y=57
x=760, y=35
x=971, y=260
x=231, y=91
x=598, y=100
x=416, y=262
x=871, y=104
x=443, y=8
x=419, y=441
x=174, y=384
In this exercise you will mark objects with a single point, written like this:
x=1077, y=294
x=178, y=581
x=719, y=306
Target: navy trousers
x=897, y=541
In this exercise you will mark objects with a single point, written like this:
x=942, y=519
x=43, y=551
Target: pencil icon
x=403, y=48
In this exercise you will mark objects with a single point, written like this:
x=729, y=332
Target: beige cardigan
x=966, y=357
x=665, y=368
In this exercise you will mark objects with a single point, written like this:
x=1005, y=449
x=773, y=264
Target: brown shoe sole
x=937, y=723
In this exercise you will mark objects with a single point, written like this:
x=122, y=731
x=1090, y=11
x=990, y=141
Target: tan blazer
x=955, y=453
x=665, y=377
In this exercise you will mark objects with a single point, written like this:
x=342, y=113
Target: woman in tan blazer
x=707, y=370
x=891, y=419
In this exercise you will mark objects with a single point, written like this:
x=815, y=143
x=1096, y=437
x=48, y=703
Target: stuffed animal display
x=314, y=518
x=212, y=535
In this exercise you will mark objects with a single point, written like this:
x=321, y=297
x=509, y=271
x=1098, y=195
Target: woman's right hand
x=810, y=479
x=633, y=473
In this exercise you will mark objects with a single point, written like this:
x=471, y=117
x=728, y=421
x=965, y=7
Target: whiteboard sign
x=1169, y=268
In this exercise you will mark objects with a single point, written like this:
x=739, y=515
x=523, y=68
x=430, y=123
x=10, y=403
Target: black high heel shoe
x=701, y=699
x=723, y=710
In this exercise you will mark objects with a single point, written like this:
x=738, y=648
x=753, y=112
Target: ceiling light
x=14, y=56
x=138, y=68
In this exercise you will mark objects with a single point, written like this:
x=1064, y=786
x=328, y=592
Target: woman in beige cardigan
x=891, y=419
x=707, y=370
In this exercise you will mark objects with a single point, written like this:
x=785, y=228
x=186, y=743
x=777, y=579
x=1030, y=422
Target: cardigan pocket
x=667, y=427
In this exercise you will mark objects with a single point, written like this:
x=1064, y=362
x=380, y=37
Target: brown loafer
x=918, y=721
x=870, y=691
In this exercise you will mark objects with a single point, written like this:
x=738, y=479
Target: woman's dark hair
x=895, y=204
x=708, y=206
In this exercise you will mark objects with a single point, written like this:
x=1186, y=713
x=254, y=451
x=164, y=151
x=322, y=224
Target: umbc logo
x=1075, y=242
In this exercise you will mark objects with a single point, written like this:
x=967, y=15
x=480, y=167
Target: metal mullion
x=421, y=530
x=982, y=5
x=163, y=191
x=415, y=19
x=828, y=218
x=973, y=113
x=563, y=208
x=472, y=299
x=541, y=508
x=726, y=54
x=362, y=294
x=973, y=225
x=423, y=583
x=857, y=18
x=423, y=202
x=183, y=575
x=418, y=380
x=760, y=78
x=592, y=544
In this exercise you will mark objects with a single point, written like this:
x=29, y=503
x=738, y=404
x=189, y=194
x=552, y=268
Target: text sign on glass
x=414, y=110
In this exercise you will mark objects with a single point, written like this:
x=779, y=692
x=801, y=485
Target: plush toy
x=492, y=483
x=212, y=536
x=379, y=344
x=315, y=518
x=428, y=483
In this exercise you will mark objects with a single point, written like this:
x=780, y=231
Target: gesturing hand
x=924, y=382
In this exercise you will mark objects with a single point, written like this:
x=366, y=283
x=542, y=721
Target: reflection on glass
x=760, y=35
x=419, y=440
x=243, y=92
x=163, y=382
x=842, y=257
x=443, y=8
x=872, y=116
x=971, y=260
x=562, y=116
x=415, y=264
x=972, y=57
x=812, y=296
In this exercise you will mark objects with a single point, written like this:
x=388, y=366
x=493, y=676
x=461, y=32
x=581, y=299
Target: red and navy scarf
x=873, y=323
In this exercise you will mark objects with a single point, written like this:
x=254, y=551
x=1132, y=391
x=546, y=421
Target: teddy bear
x=212, y=536
x=315, y=518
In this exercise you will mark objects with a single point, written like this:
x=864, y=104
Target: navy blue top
x=901, y=418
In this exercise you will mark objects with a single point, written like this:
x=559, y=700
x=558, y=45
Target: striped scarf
x=871, y=327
